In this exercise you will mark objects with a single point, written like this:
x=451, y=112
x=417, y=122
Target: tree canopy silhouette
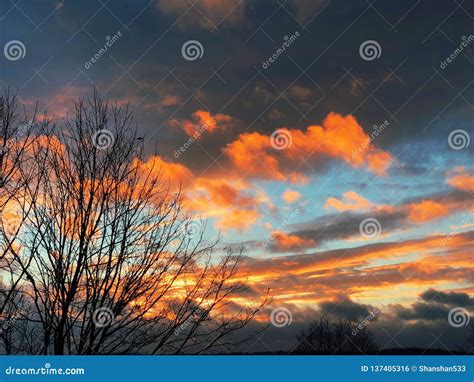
x=340, y=336
x=103, y=257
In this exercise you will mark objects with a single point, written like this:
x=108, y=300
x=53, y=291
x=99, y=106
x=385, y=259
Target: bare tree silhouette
x=335, y=337
x=109, y=260
x=19, y=130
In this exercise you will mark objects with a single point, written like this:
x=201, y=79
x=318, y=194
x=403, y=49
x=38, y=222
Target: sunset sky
x=297, y=160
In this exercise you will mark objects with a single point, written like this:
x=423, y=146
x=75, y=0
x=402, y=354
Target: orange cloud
x=249, y=153
x=291, y=196
x=378, y=161
x=462, y=180
x=224, y=192
x=229, y=201
x=177, y=174
x=11, y=216
x=339, y=137
x=369, y=271
x=240, y=220
x=204, y=121
x=349, y=202
x=288, y=242
x=426, y=210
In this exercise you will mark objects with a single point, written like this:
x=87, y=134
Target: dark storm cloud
x=346, y=309
x=450, y=298
x=434, y=305
x=345, y=225
x=335, y=77
x=393, y=334
x=420, y=325
x=422, y=311
x=446, y=197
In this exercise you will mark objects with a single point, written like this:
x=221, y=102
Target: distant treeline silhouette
x=337, y=336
